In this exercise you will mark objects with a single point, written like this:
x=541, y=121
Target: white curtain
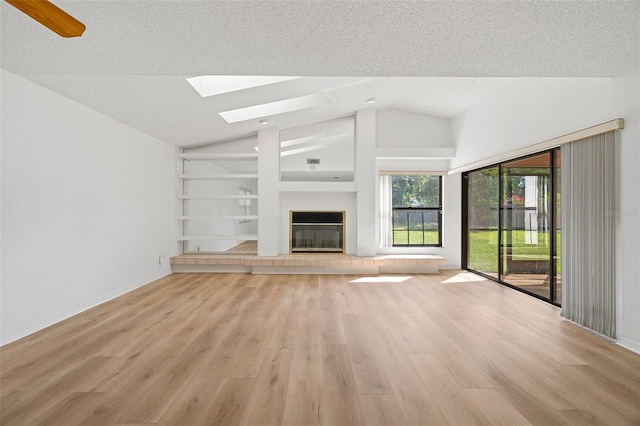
x=588, y=246
x=386, y=211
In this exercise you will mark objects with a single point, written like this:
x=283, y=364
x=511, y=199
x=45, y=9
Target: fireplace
x=320, y=231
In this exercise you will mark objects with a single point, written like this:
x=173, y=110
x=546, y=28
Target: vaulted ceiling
x=435, y=57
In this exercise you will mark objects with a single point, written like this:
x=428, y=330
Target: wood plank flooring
x=239, y=349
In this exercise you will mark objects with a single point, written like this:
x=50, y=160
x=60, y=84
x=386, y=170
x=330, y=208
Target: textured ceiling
x=133, y=59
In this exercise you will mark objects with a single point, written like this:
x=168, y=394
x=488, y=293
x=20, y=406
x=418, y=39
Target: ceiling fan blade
x=51, y=16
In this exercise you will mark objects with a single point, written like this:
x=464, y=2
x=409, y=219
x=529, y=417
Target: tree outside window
x=417, y=210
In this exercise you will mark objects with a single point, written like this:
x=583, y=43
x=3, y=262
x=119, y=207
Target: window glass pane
x=526, y=234
x=400, y=227
x=416, y=227
x=482, y=223
x=431, y=227
x=415, y=191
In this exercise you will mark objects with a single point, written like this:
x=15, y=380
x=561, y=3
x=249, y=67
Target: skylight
x=211, y=85
x=273, y=108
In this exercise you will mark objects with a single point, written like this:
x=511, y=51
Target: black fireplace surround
x=319, y=231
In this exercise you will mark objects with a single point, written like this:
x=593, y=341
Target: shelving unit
x=217, y=196
x=195, y=156
x=227, y=176
x=234, y=217
x=247, y=237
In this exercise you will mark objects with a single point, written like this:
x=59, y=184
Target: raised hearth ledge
x=307, y=264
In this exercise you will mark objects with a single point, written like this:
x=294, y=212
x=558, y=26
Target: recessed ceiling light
x=273, y=108
x=263, y=122
x=371, y=100
x=211, y=85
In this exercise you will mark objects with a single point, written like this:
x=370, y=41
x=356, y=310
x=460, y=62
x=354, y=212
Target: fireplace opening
x=316, y=231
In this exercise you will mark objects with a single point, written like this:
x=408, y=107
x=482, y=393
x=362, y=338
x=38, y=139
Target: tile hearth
x=307, y=263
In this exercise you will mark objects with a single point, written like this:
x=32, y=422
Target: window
x=412, y=210
x=512, y=228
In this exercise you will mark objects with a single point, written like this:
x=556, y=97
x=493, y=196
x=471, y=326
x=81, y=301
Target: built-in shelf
x=204, y=180
x=316, y=250
x=317, y=224
x=229, y=176
x=218, y=197
x=246, y=237
x=203, y=156
x=234, y=217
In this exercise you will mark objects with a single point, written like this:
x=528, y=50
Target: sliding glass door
x=482, y=221
x=525, y=249
x=512, y=228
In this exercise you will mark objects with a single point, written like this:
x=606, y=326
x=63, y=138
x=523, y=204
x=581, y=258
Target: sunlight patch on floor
x=464, y=277
x=382, y=279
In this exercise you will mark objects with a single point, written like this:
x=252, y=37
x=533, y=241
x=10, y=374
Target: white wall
x=331, y=142
x=270, y=231
x=398, y=128
x=366, y=182
x=626, y=104
x=527, y=112
x=88, y=208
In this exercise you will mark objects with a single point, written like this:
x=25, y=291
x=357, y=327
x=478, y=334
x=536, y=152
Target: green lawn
x=414, y=237
x=483, y=251
x=483, y=248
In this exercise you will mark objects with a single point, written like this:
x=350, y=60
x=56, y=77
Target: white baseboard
x=632, y=345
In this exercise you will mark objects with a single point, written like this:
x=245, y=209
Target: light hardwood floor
x=195, y=349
